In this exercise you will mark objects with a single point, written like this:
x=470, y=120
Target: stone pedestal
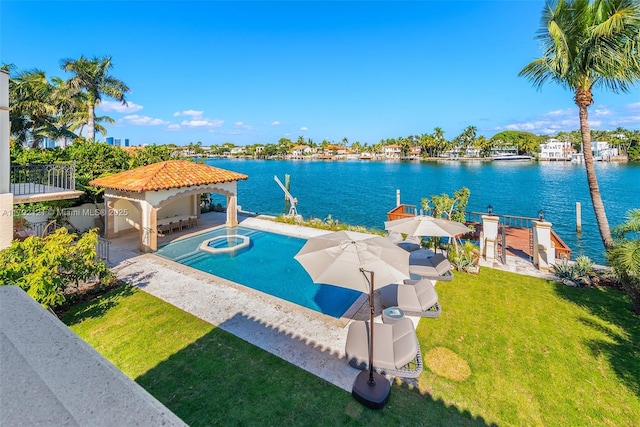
x=544, y=254
x=490, y=236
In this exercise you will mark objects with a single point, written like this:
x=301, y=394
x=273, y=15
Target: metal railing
x=102, y=248
x=44, y=228
x=506, y=220
x=37, y=179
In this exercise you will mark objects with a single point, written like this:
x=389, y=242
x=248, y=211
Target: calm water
x=267, y=265
x=362, y=192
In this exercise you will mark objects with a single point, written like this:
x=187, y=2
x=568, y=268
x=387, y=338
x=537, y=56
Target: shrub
x=465, y=257
x=47, y=267
x=578, y=273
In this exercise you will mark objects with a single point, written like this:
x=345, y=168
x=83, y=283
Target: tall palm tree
x=34, y=107
x=589, y=44
x=91, y=76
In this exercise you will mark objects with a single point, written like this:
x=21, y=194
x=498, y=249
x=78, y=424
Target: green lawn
x=507, y=350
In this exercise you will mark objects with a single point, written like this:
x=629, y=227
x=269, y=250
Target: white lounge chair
x=414, y=297
x=436, y=267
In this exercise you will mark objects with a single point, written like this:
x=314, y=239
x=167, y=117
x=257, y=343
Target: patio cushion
x=417, y=297
x=394, y=345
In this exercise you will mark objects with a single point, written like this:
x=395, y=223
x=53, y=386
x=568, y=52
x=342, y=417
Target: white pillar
x=490, y=233
x=6, y=198
x=146, y=231
x=544, y=254
x=232, y=211
x=5, y=157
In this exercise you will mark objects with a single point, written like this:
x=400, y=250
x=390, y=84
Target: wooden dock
x=518, y=232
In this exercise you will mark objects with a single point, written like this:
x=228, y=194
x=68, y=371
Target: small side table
x=392, y=315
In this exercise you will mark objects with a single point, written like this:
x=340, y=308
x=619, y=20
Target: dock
x=515, y=233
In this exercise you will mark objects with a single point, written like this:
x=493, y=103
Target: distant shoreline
x=617, y=159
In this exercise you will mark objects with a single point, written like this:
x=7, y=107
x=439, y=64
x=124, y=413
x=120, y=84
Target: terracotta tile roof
x=165, y=175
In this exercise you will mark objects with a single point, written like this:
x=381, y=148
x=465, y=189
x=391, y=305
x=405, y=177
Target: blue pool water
x=267, y=265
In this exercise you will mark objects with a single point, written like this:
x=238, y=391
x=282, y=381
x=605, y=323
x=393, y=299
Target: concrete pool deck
x=308, y=339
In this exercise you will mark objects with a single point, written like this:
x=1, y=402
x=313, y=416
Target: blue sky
x=254, y=72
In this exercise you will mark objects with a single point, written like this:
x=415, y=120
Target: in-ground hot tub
x=225, y=244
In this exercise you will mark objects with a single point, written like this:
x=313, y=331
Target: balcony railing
x=42, y=179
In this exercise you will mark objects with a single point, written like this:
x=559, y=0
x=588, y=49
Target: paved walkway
x=304, y=337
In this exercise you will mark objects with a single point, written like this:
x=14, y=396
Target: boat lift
x=293, y=211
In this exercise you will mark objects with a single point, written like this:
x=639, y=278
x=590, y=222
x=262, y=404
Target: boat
x=510, y=156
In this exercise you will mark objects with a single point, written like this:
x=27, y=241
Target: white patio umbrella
x=423, y=225
x=350, y=260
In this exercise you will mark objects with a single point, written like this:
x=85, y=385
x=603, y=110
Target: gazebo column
x=148, y=227
x=196, y=205
x=232, y=210
x=109, y=221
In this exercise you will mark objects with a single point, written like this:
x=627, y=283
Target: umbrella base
x=373, y=396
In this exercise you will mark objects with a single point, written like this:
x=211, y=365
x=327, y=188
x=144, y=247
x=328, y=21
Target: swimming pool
x=266, y=265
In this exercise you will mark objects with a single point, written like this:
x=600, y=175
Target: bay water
x=361, y=192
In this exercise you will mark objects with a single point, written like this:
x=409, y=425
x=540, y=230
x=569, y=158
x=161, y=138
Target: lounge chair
x=410, y=244
x=395, y=348
x=436, y=267
x=415, y=298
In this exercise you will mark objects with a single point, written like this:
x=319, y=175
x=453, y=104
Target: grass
x=507, y=350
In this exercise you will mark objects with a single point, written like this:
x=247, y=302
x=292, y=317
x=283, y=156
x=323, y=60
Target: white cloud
x=192, y=113
x=117, y=107
x=627, y=120
x=202, y=123
x=173, y=127
x=304, y=128
x=602, y=112
x=600, y=117
x=558, y=113
x=633, y=106
x=238, y=123
x=137, y=120
x=276, y=123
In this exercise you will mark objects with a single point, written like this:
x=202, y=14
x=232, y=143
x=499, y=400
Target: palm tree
x=35, y=104
x=624, y=257
x=589, y=44
x=91, y=77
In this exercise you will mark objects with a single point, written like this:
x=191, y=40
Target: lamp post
x=490, y=209
x=541, y=215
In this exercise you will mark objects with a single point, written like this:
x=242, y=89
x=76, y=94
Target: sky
x=254, y=72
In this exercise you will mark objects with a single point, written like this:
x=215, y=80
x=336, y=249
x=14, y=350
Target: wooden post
x=578, y=218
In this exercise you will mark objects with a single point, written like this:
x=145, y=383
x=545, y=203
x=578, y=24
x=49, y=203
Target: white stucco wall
x=180, y=206
x=125, y=216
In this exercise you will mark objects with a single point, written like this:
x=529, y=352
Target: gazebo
x=140, y=198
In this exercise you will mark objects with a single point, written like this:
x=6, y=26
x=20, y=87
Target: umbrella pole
x=371, y=389
x=372, y=311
